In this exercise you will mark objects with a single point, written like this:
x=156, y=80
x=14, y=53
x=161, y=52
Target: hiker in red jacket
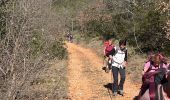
x=108, y=47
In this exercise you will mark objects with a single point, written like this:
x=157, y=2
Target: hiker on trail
x=108, y=47
x=70, y=37
x=156, y=62
x=118, y=66
x=153, y=74
x=161, y=92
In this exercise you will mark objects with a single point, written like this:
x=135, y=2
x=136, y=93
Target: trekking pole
x=112, y=80
x=111, y=94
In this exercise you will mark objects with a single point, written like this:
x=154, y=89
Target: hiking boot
x=114, y=93
x=121, y=92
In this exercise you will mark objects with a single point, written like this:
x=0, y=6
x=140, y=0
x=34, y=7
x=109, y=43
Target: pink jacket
x=148, y=64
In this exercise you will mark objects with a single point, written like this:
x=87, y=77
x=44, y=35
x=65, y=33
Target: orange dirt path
x=87, y=79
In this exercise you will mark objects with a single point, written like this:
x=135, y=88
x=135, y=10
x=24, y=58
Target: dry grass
x=49, y=84
x=135, y=67
x=27, y=43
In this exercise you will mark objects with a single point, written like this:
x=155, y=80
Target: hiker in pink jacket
x=153, y=73
x=162, y=91
x=149, y=64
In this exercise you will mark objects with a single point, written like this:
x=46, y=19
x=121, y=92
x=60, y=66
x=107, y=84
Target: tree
x=29, y=38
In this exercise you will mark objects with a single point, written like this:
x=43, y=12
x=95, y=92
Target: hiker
x=162, y=91
x=154, y=58
x=118, y=66
x=108, y=47
x=70, y=37
x=153, y=74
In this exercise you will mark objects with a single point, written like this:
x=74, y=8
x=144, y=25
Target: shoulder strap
x=116, y=49
x=150, y=67
x=125, y=50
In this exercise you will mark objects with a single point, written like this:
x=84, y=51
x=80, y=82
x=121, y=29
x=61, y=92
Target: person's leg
x=143, y=89
x=106, y=64
x=122, y=79
x=71, y=39
x=115, y=79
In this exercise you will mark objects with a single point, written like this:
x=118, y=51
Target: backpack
x=108, y=48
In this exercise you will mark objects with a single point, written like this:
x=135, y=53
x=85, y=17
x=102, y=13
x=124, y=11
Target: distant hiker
x=118, y=66
x=70, y=37
x=153, y=74
x=108, y=47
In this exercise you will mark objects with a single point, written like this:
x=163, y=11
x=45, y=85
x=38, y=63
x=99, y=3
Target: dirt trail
x=87, y=80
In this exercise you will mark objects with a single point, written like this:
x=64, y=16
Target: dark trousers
x=115, y=72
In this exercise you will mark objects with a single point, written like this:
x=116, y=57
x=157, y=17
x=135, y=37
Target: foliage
x=28, y=36
x=124, y=19
x=57, y=50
